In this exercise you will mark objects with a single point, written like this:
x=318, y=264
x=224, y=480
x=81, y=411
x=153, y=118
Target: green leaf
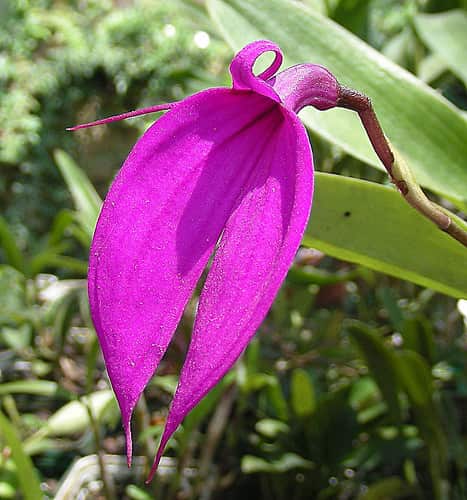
x=287, y=462
x=381, y=363
x=136, y=493
x=49, y=258
x=353, y=15
x=389, y=488
x=429, y=131
x=87, y=201
x=62, y=222
x=73, y=417
x=314, y=276
x=35, y=387
x=303, y=397
x=13, y=304
x=276, y=398
x=445, y=35
x=27, y=475
x=332, y=428
x=389, y=300
x=418, y=336
x=415, y=377
x=372, y=225
x=271, y=428
x=13, y=255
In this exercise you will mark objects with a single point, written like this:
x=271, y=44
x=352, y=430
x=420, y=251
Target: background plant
x=355, y=386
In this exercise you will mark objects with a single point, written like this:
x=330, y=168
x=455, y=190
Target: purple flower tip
x=227, y=172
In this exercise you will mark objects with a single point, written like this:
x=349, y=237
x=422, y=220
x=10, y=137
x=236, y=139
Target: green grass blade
x=85, y=197
x=27, y=475
x=13, y=255
x=430, y=132
x=372, y=225
x=35, y=387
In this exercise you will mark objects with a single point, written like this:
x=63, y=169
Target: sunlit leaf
x=74, y=418
x=429, y=131
x=370, y=224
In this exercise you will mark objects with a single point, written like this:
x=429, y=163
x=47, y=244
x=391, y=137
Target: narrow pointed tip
x=87, y=125
x=124, y=116
x=165, y=437
x=154, y=467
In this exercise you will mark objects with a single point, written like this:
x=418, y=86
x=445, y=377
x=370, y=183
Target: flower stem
x=396, y=167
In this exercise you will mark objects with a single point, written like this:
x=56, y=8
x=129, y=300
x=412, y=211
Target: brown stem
x=398, y=172
x=216, y=427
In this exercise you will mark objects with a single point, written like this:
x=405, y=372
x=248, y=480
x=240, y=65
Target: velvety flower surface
x=227, y=172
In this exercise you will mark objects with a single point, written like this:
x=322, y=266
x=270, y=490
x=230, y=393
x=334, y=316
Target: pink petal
x=241, y=69
x=160, y=222
x=256, y=250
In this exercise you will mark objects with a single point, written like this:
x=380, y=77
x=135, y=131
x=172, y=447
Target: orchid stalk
x=228, y=173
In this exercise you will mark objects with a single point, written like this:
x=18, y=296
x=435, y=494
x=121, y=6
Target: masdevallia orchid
x=226, y=172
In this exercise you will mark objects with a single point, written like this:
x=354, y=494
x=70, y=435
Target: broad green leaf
x=73, y=417
x=381, y=363
x=85, y=197
x=445, y=34
x=27, y=475
x=372, y=225
x=316, y=5
x=429, y=131
x=302, y=393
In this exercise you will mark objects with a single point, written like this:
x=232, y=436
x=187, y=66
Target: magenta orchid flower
x=227, y=172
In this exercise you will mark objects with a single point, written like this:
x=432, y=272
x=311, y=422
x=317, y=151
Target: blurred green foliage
x=355, y=386
x=68, y=62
